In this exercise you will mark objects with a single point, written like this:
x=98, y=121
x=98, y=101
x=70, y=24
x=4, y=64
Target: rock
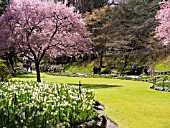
x=105, y=121
x=111, y=124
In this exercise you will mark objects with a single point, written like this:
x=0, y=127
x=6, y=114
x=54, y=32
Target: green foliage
x=163, y=84
x=4, y=72
x=162, y=81
x=98, y=23
x=33, y=105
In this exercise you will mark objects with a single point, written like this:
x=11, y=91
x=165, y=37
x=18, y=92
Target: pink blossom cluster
x=163, y=16
x=37, y=28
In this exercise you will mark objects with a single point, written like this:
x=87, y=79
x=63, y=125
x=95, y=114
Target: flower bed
x=33, y=105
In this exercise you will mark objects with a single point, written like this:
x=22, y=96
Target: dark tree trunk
x=101, y=60
x=125, y=62
x=12, y=64
x=37, y=66
x=2, y=78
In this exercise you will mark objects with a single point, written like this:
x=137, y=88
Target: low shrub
x=4, y=72
x=164, y=84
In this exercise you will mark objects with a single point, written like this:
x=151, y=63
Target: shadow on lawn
x=98, y=86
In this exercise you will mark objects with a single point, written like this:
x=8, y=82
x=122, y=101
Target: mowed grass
x=131, y=104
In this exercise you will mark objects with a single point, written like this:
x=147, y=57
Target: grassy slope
x=130, y=104
x=87, y=67
x=163, y=65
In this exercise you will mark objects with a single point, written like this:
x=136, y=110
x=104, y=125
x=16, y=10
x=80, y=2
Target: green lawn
x=131, y=104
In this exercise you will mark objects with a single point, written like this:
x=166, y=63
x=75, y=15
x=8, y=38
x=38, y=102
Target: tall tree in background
x=133, y=28
x=98, y=23
x=37, y=28
x=128, y=28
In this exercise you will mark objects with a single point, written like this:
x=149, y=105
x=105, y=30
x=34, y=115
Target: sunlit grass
x=131, y=104
x=85, y=67
x=163, y=65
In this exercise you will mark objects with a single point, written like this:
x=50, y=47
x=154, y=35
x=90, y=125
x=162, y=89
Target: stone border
x=154, y=87
x=109, y=123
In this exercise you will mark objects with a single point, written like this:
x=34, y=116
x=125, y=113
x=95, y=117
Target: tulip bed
x=33, y=105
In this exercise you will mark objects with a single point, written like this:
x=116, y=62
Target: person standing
x=133, y=69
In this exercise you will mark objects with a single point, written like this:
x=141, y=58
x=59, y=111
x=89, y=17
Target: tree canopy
x=125, y=28
x=37, y=28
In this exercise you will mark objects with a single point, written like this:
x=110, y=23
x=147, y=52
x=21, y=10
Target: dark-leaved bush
x=4, y=71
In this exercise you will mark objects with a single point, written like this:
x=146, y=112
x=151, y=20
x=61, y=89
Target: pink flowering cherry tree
x=163, y=16
x=37, y=28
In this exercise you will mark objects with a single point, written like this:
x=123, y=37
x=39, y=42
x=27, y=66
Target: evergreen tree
x=98, y=23
x=125, y=29
x=134, y=23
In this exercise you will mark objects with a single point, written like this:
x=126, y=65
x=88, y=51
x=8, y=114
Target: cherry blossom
x=163, y=16
x=37, y=28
